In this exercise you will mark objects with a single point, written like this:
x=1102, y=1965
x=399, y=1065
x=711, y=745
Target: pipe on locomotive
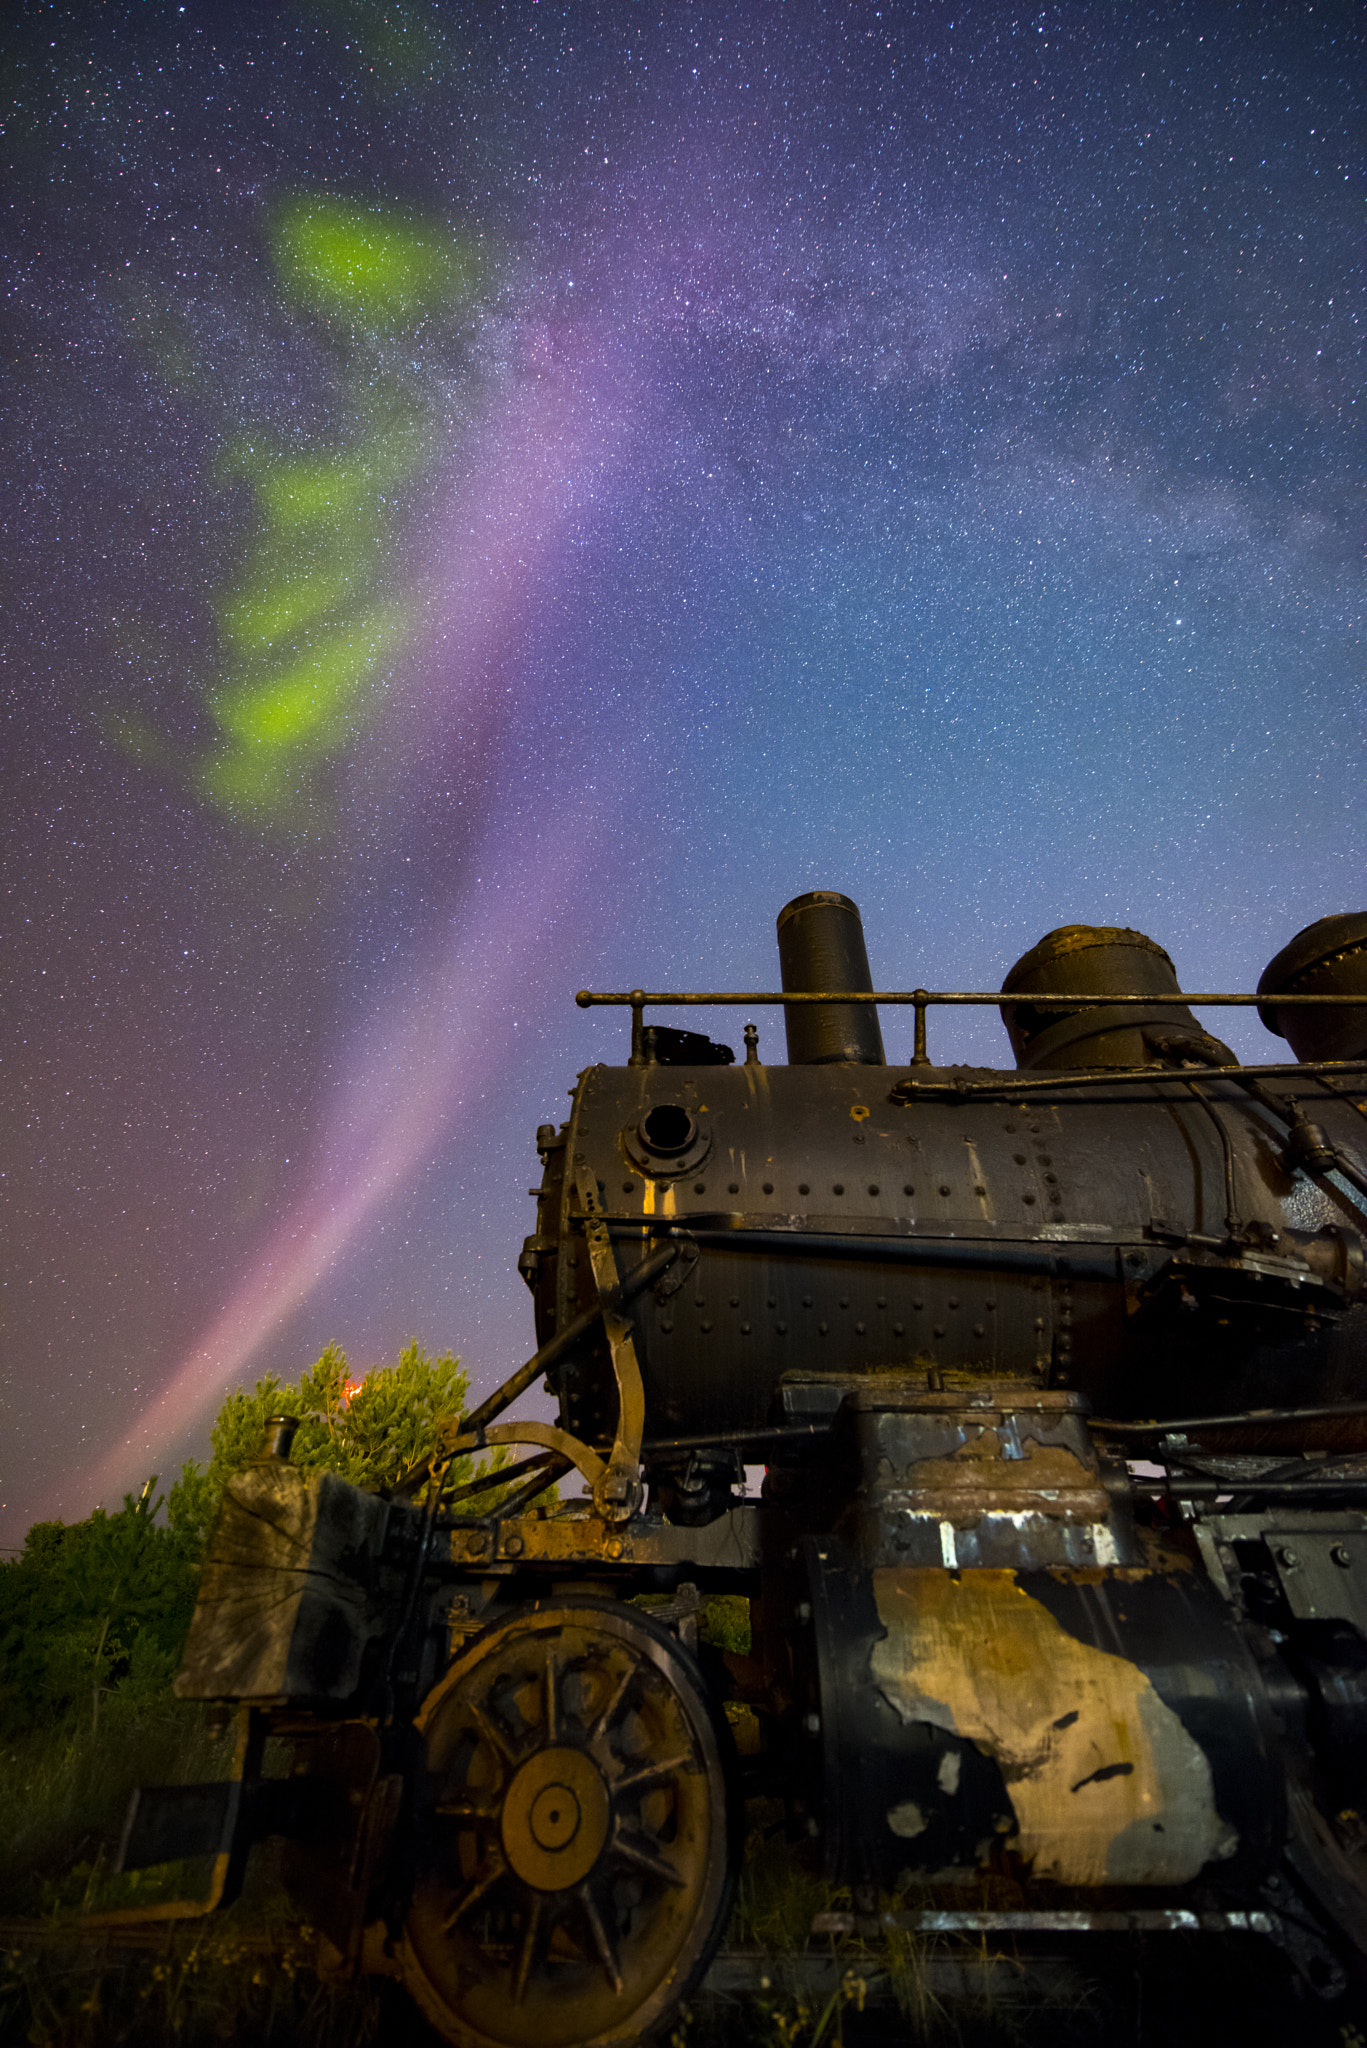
x=821, y=945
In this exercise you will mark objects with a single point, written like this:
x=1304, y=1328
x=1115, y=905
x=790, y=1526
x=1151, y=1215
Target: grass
x=209, y=1983
x=64, y=1792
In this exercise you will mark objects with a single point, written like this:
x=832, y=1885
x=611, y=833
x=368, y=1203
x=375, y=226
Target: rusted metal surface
x=731, y=1543
x=993, y=1473
x=291, y=1593
x=1101, y=1725
x=1106, y=1784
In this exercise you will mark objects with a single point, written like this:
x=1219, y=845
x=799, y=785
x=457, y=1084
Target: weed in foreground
x=64, y=1792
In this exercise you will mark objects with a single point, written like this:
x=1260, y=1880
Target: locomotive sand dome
x=963, y=1316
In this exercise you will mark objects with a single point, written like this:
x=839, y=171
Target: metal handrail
x=639, y=1000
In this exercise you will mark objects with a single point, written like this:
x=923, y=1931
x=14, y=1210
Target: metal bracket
x=672, y=1279
x=217, y=1820
x=546, y=1434
x=615, y=1485
x=617, y=1495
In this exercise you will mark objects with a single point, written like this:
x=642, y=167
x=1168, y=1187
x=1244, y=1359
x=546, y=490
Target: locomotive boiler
x=1058, y=1573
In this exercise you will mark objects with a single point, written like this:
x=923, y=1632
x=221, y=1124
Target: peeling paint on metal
x=1106, y=1783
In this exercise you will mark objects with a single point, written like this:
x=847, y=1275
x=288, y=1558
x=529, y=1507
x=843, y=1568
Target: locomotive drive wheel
x=574, y=1867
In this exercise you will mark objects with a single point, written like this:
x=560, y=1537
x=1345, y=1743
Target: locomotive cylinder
x=820, y=946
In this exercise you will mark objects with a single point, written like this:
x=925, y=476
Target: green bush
x=92, y=1606
x=84, y=1607
x=369, y=1431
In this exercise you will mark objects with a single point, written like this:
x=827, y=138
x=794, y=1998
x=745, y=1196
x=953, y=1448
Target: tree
x=91, y=1604
x=369, y=1431
x=107, y=1601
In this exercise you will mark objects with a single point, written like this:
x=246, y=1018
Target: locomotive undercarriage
x=976, y=1659
x=1057, y=1578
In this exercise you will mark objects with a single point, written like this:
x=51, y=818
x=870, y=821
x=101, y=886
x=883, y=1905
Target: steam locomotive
x=1057, y=1577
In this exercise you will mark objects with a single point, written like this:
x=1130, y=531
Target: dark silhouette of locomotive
x=1059, y=1570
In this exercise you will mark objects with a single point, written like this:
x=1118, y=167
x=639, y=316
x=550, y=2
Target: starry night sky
x=500, y=499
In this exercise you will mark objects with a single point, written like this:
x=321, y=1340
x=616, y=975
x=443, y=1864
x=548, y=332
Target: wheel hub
x=556, y=1817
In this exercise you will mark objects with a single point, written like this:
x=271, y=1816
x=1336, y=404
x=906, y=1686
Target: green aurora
x=310, y=626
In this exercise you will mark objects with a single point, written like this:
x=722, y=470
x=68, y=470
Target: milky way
x=500, y=500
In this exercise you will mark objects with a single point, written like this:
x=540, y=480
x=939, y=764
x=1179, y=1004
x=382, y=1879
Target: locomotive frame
x=982, y=1641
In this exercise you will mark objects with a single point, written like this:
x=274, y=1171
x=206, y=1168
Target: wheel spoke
x=607, y=1954
x=635, y=1849
x=651, y=1774
x=531, y=1942
x=467, y=1810
x=552, y=1705
x=473, y=1892
x=606, y=1717
x=489, y=1730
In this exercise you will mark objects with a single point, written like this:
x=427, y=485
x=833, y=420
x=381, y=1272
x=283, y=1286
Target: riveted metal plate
x=1323, y=1573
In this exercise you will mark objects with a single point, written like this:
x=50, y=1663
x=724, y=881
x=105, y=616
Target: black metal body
x=1142, y=1242
x=944, y=1307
